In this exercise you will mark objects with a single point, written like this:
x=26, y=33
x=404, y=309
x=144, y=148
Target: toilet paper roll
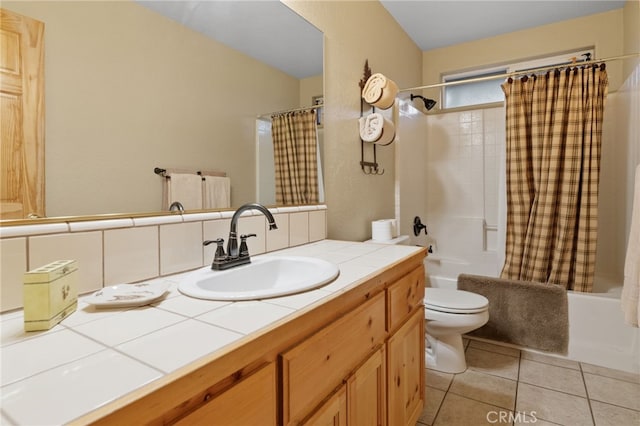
x=394, y=228
x=382, y=230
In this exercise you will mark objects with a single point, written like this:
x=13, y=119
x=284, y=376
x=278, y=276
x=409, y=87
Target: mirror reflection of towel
x=217, y=192
x=187, y=189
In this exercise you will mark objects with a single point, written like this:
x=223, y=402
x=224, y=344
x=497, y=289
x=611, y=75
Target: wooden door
x=405, y=355
x=22, y=112
x=367, y=392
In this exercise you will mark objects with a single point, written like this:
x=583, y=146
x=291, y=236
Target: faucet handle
x=220, y=254
x=244, y=250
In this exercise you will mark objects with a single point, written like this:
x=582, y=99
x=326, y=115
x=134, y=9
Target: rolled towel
x=380, y=91
x=376, y=128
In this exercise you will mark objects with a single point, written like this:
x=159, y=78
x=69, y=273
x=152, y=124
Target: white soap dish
x=124, y=295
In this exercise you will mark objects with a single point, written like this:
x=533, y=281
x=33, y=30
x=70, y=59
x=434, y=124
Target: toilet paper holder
x=419, y=226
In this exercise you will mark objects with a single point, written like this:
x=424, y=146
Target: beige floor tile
x=553, y=406
x=609, y=372
x=485, y=388
x=437, y=379
x=499, y=349
x=460, y=411
x=524, y=420
x=613, y=391
x=433, y=400
x=552, y=377
x=611, y=415
x=492, y=363
x=547, y=359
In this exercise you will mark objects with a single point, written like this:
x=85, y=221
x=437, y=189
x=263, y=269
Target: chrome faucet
x=237, y=256
x=176, y=206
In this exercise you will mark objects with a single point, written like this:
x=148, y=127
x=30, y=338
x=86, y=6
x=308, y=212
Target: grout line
x=586, y=391
x=515, y=397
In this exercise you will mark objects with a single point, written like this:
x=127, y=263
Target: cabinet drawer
x=404, y=296
x=315, y=367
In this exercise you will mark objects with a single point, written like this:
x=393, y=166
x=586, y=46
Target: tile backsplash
x=129, y=250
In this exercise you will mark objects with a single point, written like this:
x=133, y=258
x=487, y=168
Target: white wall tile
x=279, y=238
x=96, y=225
x=180, y=247
x=193, y=217
x=254, y=225
x=212, y=230
x=157, y=220
x=131, y=255
x=13, y=264
x=298, y=228
x=84, y=247
x=317, y=225
x=23, y=231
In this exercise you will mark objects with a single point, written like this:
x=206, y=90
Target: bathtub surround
x=528, y=314
x=630, y=298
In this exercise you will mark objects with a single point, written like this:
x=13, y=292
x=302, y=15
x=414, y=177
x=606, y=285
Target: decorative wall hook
x=371, y=168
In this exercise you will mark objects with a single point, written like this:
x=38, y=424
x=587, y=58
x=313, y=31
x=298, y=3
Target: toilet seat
x=454, y=301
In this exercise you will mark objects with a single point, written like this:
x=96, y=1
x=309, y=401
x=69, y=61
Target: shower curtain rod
x=516, y=73
x=269, y=114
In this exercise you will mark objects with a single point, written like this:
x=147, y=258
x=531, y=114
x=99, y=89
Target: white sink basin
x=265, y=277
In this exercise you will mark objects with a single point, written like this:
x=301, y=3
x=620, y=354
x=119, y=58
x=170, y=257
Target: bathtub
x=597, y=332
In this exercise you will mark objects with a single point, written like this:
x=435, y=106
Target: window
x=479, y=92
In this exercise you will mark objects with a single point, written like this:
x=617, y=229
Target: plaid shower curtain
x=554, y=132
x=295, y=146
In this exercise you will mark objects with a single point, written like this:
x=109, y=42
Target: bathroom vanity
x=353, y=356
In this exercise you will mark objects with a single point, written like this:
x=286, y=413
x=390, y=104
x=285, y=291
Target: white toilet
x=449, y=314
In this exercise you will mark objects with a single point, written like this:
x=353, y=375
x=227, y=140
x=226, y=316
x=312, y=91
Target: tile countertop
x=96, y=356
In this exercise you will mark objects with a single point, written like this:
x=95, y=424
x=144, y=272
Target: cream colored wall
x=602, y=30
x=355, y=31
x=310, y=87
x=631, y=21
x=128, y=90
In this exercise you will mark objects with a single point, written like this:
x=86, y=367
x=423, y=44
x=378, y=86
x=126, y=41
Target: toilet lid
x=454, y=301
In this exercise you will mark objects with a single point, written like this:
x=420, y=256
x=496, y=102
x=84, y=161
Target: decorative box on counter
x=50, y=294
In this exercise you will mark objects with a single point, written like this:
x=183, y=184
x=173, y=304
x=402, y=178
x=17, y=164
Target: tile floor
x=507, y=386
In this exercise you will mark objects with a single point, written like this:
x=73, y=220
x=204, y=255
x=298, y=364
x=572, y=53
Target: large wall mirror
x=135, y=85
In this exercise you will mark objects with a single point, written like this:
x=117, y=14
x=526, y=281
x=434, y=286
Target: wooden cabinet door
x=331, y=413
x=315, y=367
x=405, y=367
x=253, y=401
x=22, y=111
x=367, y=392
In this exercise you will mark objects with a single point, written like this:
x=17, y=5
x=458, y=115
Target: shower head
x=428, y=103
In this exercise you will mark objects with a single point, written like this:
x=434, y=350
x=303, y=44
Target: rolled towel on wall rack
x=380, y=91
x=376, y=128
